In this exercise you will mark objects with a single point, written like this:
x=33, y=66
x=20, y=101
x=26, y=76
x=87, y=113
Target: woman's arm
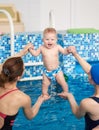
x=24, y=51
x=78, y=111
x=85, y=65
x=31, y=112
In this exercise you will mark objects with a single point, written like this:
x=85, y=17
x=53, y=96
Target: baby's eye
x=52, y=39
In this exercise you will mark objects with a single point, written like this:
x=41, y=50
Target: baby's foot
x=62, y=93
x=45, y=95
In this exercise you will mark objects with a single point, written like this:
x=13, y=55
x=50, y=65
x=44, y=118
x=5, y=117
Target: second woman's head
x=95, y=73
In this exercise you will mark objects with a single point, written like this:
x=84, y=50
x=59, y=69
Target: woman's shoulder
x=86, y=100
x=87, y=103
x=22, y=94
x=22, y=97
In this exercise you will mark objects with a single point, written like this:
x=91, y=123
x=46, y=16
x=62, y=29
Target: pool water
x=55, y=113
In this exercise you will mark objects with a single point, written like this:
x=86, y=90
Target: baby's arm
x=35, y=52
x=63, y=50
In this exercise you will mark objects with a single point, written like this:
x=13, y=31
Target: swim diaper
x=95, y=73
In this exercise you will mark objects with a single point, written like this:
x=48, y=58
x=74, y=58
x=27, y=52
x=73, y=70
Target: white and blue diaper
x=51, y=74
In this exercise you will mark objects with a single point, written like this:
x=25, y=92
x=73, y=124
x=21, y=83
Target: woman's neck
x=96, y=91
x=9, y=86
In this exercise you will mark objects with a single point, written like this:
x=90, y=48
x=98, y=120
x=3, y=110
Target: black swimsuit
x=8, y=120
x=89, y=123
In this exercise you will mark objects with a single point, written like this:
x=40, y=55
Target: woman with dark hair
x=11, y=98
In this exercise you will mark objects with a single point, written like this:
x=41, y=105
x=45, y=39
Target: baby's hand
x=71, y=49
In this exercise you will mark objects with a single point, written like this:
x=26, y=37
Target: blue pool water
x=54, y=114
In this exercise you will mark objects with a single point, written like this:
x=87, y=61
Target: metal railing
x=11, y=29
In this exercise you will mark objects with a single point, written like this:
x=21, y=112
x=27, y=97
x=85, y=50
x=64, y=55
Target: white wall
x=68, y=13
x=61, y=10
x=30, y=12
x=35, y=13
x=85, y=13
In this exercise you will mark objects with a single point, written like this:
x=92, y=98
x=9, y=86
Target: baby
x=50, y=52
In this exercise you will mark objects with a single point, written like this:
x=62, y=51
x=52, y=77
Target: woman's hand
x=65, y=95
x=43, y=97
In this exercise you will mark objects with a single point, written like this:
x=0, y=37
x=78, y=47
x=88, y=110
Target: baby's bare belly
x=51, y=67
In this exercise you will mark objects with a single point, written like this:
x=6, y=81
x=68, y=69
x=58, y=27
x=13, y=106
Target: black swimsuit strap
x=95, y=99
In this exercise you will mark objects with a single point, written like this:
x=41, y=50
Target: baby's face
x=50, y=40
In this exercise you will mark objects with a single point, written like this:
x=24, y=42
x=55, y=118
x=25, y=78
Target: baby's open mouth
x=49, y=44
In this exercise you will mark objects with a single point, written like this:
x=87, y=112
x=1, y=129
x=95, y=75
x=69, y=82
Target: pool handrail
x=32, y=78
x=11, y=27
x=51, y=19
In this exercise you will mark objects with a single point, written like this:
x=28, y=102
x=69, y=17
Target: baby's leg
x=61, y=81
x=45, y=85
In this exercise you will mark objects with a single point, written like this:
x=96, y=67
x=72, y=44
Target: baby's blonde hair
x=49, y=30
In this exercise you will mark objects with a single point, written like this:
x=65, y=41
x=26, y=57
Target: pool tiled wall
x=87, y=46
